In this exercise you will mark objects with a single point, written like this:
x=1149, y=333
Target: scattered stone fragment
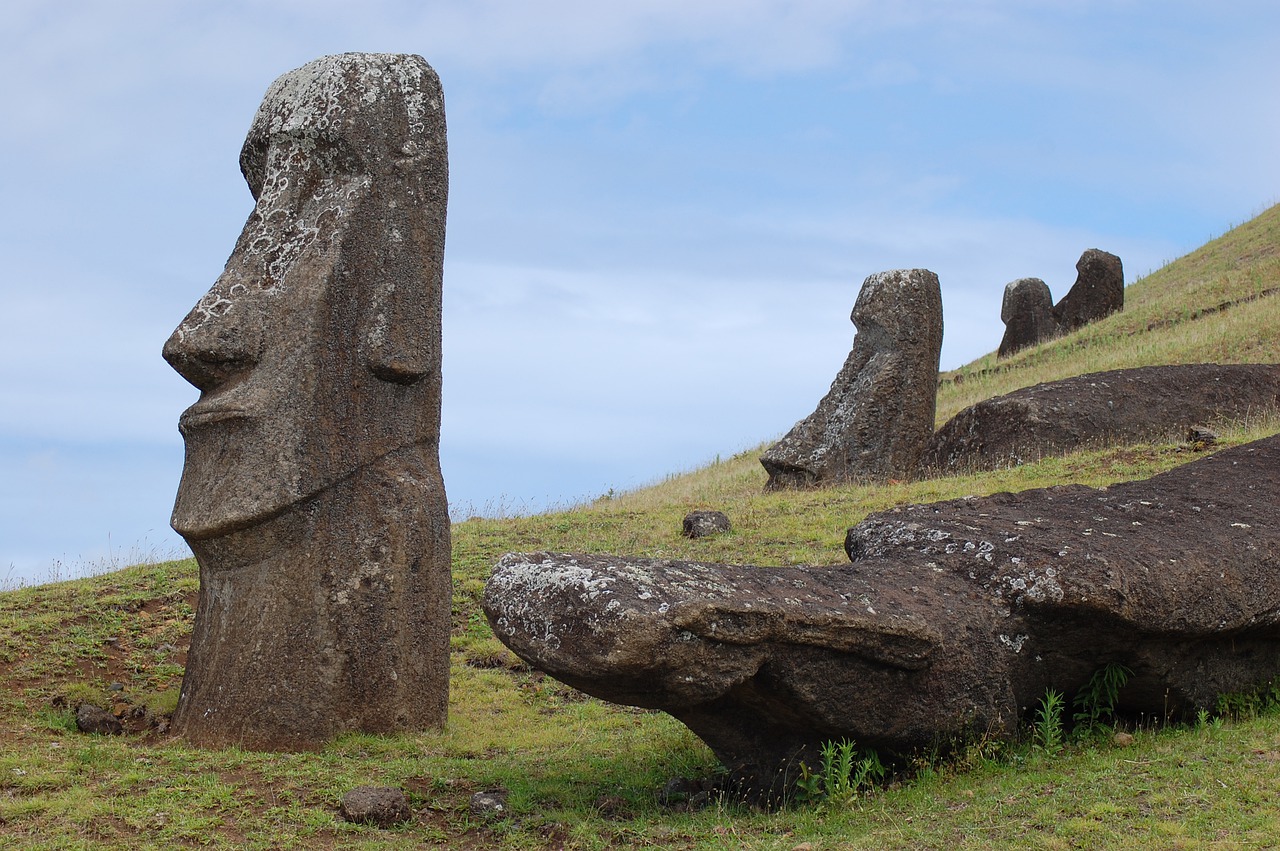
x=311, y=493
x=97, y=721
x=878, y=415
x=1027, y=313
x=952, y=620
x=384, y=806
x=701, y=524
x=490, y=805
x=1120, y=406
x=1200, y=438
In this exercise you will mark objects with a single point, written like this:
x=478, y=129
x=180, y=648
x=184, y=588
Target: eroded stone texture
x=383, y=806
x=1120, y=406
x=703, y=524
x=878, y=415
x=953, y=620
x=311, y=493
x=1097, y=293
x=1027, y=313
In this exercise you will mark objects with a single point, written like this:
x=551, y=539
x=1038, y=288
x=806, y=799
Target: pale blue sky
x=660, y=212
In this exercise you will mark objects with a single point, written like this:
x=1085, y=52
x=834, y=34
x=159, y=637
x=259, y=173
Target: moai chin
x=311, y=494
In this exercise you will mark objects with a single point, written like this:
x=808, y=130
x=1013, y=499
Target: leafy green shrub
x=1250, y=703
x=1096, y=700
x=1048, y=724
x=845, y=771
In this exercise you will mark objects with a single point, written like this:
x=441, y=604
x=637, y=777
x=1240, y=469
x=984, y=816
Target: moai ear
x=399, y=344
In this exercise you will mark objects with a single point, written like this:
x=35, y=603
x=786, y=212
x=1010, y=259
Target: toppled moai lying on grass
x=953, y=620
x=1113, y=407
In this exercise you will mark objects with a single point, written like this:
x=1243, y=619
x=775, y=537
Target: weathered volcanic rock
x=1098, y=291
x=702, y=524
x=1027, y=313
x=953, y=620
x=383, y=806
x=1124, y=405
x=98, y=721
x=878, y=415
x=311, y=494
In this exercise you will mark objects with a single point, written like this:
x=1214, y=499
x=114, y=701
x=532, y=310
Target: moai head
x=899, y=309
x=317, y=351
x=1097, y=293
x=1027, y=313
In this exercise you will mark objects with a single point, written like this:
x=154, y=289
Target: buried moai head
x=1027, y=313
x=1030, y=316
x=317, y=350
x=878, y=415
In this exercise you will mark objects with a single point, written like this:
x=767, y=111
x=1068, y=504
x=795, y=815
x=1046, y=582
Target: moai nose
x=214, y=343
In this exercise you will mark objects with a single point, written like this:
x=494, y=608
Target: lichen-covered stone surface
x=311, y=494
x=952, y=621
x=878, y=415
x=1120, y=406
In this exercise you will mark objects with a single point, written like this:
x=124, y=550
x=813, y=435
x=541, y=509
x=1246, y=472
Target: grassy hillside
x=583, y=774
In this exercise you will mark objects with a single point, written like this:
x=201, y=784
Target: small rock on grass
x=490, y=805
x=702, y=524
x=383, y=806
x=98, y=721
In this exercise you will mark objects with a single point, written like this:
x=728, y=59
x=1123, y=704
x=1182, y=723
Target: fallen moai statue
x=1120, y=406
x=878, y=415
x=953, y=620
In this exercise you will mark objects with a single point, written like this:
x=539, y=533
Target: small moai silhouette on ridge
x=1030, y=317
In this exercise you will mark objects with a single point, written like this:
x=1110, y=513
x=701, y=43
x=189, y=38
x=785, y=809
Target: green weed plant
x=846, y=771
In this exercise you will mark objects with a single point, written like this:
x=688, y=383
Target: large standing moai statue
x=311, y=493
x=877, y=418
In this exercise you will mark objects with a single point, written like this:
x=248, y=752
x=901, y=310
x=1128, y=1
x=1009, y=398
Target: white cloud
x=661, y=211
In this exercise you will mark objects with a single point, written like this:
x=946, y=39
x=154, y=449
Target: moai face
x=317, y=350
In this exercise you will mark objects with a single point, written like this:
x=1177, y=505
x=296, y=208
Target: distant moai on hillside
x=877, y=418
x=1030, y=317
x=311, y=494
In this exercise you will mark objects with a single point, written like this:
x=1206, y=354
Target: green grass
x=585, y=774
